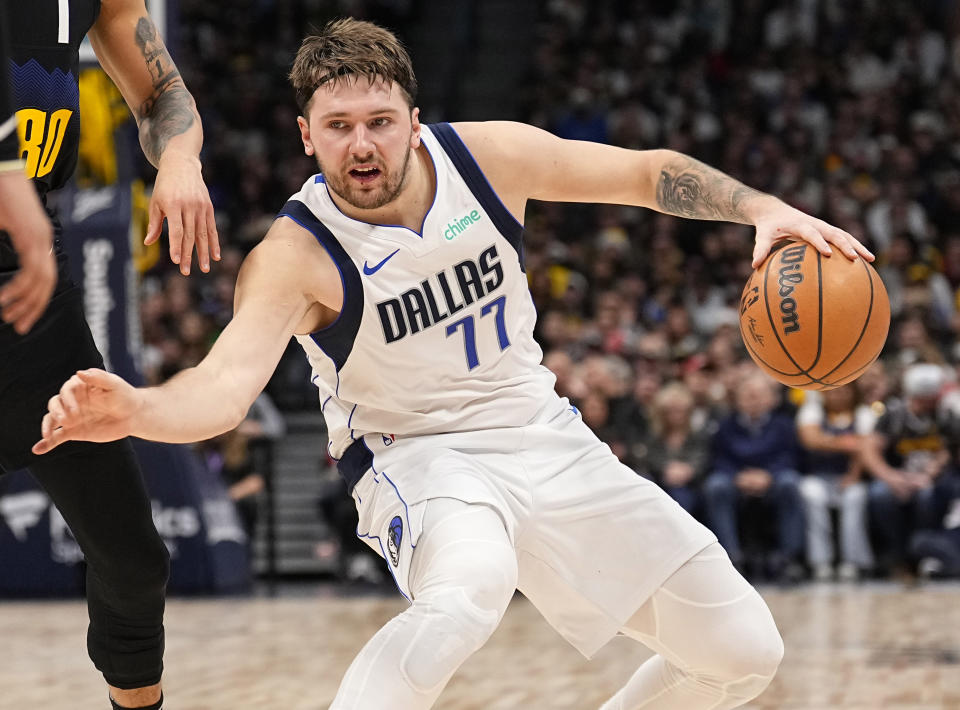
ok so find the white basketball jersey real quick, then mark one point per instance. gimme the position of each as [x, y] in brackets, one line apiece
[436, 330]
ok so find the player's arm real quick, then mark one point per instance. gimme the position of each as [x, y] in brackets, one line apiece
[214, 396]
[132, 52]
[523, 162]
[24, 298]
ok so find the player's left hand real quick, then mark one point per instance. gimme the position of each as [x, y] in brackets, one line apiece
[180, 196]
[781, 221]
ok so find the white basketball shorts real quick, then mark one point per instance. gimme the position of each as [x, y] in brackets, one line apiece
[594, 540]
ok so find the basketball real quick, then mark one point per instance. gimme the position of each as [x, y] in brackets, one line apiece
[811, 321]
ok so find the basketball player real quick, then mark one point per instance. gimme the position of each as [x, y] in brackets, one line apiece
[97, 488]
[22, 216]
[399, 268]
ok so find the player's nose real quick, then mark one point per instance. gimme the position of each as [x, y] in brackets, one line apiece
[361, 143]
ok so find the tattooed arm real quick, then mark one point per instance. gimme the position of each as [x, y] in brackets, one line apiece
[688, 188]
[523, 163]
[132, 52]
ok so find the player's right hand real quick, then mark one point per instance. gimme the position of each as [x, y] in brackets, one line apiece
[181, 197]
[93, 405]
[25, 297]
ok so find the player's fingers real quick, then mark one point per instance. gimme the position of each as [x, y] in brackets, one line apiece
[840, 239]
[203, 244]
[55, 409]
[155, 223]
[851, 245]
[811, 234]
[16, 311]
[761, 249]
[15, 289]
[81, 392]
[175, 227]
[98, 378]
[46, 426]
[52, 437]
[23, 324]
[69, 395]
[212, 233]
[189, 237]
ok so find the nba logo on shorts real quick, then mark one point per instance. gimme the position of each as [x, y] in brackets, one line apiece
[394, 537]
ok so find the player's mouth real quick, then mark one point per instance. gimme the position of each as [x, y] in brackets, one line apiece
[365, 174]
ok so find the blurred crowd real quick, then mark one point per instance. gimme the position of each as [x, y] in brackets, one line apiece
[847, 109]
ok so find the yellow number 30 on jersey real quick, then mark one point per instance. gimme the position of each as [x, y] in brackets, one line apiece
[41, 135]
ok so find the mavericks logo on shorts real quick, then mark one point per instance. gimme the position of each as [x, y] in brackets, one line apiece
[394, 536]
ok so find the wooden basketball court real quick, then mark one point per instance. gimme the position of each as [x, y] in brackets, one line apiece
[865, 647]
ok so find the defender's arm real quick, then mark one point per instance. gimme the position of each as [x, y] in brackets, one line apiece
[132, 52]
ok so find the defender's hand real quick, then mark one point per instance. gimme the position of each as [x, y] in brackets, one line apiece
[93, 405]
[180, 196]
[25, 297]
[780, 221]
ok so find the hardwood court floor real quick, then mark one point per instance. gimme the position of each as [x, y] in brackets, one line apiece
[868, 648]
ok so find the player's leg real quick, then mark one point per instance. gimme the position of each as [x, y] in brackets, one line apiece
[99, 491]
[463, 574]
[100, 494]
[716, 642]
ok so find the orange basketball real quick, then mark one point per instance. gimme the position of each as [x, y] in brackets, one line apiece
[812, 321]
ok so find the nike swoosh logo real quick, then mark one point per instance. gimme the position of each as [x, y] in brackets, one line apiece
[370, 270]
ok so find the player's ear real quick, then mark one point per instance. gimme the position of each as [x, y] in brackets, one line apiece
[415, 128]
[305, 135]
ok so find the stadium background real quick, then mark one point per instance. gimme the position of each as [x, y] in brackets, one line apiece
[848, 109]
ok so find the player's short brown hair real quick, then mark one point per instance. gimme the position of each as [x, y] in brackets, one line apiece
[351, 47]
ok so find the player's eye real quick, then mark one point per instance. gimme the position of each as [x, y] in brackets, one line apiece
[380, 122]
[337, 125]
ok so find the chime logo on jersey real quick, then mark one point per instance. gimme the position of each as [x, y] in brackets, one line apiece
[440, 296]
[394, 536]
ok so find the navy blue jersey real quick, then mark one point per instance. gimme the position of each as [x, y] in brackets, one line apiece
[43, 63]
[45, 38]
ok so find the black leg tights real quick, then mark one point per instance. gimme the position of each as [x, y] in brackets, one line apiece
[99, 491]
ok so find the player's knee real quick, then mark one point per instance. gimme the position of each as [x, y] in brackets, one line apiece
[457, 621]
[452, 628]
[142, 576]
[752, 655]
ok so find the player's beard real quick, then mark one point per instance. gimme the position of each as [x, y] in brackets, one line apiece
[391, 184]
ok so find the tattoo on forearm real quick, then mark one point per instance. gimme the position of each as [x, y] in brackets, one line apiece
[688, 188]
[169, 110]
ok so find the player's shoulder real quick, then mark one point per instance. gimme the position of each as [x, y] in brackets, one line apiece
[499, 140]
[285, 249]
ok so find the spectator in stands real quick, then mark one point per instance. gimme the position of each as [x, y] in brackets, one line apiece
[676, 454]
[908, 454]
[832, 427]
[229, 455]
[755, 457]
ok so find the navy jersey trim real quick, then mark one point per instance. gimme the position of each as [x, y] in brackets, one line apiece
[471, 173]
[355, 461]
[337, 339]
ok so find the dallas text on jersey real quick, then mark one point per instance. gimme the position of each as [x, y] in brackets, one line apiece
[419, 308]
